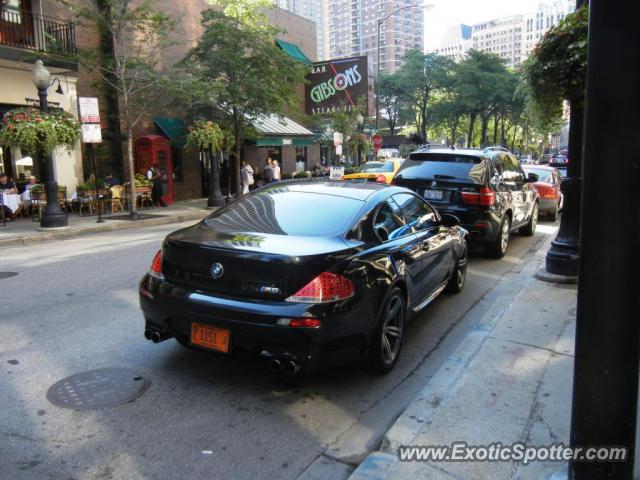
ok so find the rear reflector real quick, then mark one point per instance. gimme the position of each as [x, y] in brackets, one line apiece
[156, 266]
[381, 179]
[485, 196]
[299, 322]
[326, 287]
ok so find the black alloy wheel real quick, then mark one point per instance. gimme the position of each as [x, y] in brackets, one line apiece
[459, 275]
[498, 247]
[530, 228]
[387, 338]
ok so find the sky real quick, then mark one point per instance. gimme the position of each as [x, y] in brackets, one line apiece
[445, 13]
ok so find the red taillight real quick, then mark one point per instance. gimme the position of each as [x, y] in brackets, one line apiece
[156, 266]
[485, 197]
[326, 287]
[546, 192]
[381, 179]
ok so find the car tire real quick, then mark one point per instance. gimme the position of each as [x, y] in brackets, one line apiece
[498, 247]
[459, 275]
[530, 228]
[553, 215]
[387, 338]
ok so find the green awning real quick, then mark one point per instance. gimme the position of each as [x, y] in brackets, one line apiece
[293, 51]
[284, 141]
[174, 129]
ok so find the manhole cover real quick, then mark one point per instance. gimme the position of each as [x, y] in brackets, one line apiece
[7, 274]
[95, 389]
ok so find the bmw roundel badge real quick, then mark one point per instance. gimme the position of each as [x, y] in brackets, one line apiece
[217, 270]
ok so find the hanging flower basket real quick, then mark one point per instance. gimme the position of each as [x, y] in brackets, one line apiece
[33, 131]
[360, 142]
[205, 134]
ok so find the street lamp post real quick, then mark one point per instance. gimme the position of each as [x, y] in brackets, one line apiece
[360, 120]
[216, 199]
[53, 216]
[380, 21]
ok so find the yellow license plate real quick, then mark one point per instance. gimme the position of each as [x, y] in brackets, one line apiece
[213, 338]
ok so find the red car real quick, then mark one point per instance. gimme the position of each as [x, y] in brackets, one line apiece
[548, 187]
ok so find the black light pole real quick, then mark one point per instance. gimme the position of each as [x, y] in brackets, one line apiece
[564, 255]
[53, 216]
[216, 199]
[360, 120]
[605, 383]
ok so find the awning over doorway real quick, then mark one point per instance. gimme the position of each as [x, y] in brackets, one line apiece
[275, 131]
[174, 129]
[293, 51]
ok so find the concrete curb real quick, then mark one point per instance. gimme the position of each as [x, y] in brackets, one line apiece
[378, 464]
[105, 227]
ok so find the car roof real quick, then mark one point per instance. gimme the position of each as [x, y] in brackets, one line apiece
[477, 152]
[342, 188]
[538, 167]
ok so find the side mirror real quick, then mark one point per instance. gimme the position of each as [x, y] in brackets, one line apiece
[532, 177]
[448, 220]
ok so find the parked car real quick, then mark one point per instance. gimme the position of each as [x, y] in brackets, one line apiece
[305, 274]
[381, 171]
[387, 153]
[548, 188]
[559, 160]
[544, 159]
[488, 190]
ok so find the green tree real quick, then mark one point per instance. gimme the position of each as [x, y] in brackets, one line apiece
[237, 60]
[419, 80]
[390, 97]
[138, 36]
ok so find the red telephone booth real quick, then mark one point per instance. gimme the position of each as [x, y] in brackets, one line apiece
[155, 148]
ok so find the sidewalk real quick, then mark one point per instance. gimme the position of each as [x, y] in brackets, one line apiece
[23, 231]
[508, 381]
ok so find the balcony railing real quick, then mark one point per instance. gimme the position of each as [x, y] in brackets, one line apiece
[35, 32]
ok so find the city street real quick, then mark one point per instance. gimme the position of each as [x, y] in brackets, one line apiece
[73, 307]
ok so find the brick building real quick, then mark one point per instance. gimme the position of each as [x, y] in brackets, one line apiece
[25, 31]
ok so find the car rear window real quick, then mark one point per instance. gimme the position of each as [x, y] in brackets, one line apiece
[374, 167]
[280, 211]
[432, 165]
[543, 175]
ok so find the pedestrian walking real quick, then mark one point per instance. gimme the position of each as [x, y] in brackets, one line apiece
[267, 171]
[246, 176]
[155, 176]
[276, 171]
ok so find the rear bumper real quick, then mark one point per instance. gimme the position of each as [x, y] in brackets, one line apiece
[342, 337]
[546, 205]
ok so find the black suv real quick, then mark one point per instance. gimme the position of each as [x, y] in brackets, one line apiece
[486, 189]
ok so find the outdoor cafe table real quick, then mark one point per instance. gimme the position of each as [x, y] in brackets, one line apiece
[11, 200]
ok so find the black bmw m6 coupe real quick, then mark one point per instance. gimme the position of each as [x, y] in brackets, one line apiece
[305, 274]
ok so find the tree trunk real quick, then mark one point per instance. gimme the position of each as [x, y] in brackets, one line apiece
[454, 129]
[132, 173]
[513, 139]
[239, 140]
[472, 124]
[483, 131]
[495, 129]
[503, 133]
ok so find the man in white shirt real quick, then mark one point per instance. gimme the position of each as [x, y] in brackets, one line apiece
[155, 176]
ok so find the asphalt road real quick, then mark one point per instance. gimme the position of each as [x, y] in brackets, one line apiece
[73, 307]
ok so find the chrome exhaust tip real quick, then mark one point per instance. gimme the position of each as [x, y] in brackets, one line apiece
[276, 365]
[292, 367]
[156, 337]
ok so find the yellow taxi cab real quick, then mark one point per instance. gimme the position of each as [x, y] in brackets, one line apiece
[379, 170]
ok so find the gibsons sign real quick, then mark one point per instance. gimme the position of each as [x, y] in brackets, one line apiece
[336, 85]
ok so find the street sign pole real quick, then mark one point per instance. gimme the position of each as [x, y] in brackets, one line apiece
[92, 153]
[89, 113]
[605, 384]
